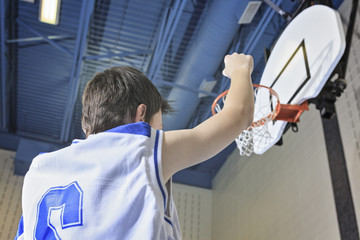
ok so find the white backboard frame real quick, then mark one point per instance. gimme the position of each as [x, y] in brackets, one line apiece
[302, 60]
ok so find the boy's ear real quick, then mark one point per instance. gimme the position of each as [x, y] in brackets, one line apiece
[140, 113]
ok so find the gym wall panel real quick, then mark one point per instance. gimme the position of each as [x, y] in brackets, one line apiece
[194, 209]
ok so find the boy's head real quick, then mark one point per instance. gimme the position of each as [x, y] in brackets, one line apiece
[115, 97]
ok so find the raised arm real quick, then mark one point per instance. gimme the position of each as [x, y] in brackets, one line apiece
[184, 148]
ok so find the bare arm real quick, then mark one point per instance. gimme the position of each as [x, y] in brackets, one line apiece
[184, 148]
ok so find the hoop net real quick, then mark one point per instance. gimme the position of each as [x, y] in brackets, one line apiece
[256, 136]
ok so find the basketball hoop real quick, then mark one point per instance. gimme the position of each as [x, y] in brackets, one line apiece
[267, 109]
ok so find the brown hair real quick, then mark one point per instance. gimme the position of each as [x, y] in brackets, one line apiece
[112, 97]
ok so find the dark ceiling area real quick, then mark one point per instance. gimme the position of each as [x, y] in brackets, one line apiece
[178, 44]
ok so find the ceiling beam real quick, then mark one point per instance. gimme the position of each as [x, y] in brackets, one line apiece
[83, 26]
[112, 54]
[34, 31]
[169, 24]
[38, 39]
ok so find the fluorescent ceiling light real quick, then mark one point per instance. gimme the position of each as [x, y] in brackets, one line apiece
[249, 12]
[49, 11]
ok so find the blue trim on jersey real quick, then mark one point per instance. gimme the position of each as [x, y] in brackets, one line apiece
[139, 128]
[157, 167]
[20, 230]
[169, 221]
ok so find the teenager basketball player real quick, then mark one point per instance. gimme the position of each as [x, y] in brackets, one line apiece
[115, 184]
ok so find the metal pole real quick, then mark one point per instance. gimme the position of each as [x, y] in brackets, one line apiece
[282, 13]
[339, 175]
[3, 121]
[340, 180]
[349, 33]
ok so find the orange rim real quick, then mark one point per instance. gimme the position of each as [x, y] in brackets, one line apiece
[223, 94]
[261, 121]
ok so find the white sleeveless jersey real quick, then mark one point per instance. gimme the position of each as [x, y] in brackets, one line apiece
[109, 186]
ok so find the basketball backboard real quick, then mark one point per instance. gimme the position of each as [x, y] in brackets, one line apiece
[302, 61]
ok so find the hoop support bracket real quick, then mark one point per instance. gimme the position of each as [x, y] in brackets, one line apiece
[292, 112]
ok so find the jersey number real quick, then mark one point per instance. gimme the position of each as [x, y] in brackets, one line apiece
[69, 200]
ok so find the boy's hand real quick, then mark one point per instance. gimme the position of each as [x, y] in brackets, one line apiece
[237, 61]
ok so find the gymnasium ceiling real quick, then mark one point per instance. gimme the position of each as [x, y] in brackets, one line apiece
[178, 44]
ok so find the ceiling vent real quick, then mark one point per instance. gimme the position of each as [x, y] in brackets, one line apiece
[249, 12]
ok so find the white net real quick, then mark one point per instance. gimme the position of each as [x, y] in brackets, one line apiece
[257, 136]
[253, 139]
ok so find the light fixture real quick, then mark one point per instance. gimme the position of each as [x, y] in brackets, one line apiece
[49, 11]
[249, 12]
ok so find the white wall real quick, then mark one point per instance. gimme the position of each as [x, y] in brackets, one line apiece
[284, 194]
[194, 209]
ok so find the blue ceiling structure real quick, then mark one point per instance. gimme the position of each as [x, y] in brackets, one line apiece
[178, 44]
